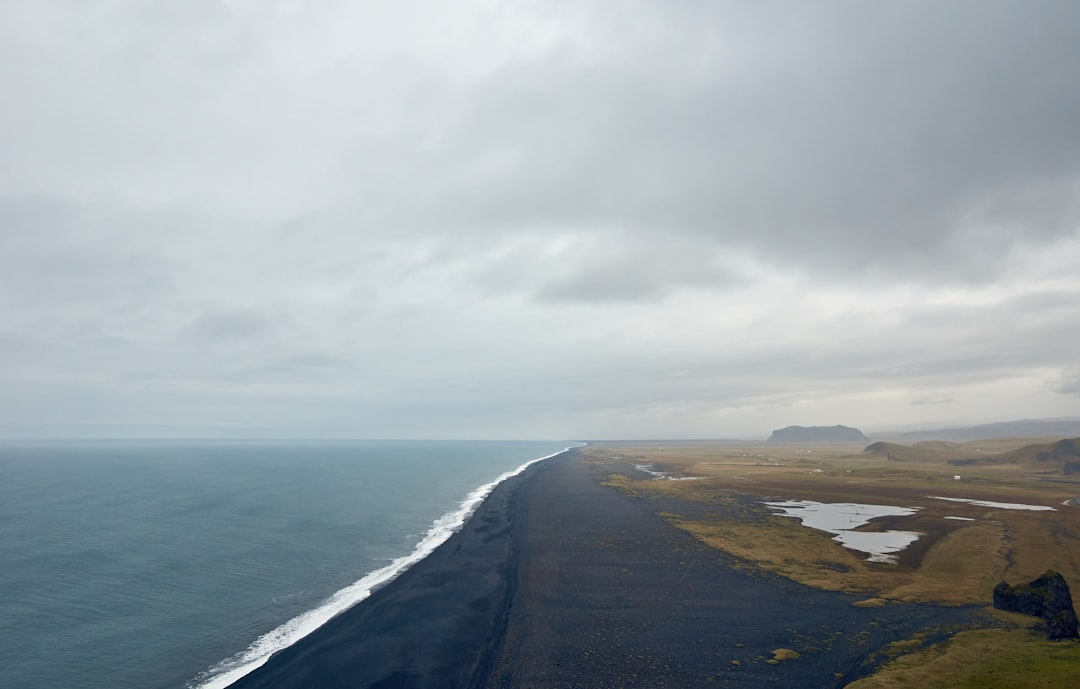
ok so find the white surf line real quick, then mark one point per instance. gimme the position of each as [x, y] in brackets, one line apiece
[1000, 505]
[223, 674]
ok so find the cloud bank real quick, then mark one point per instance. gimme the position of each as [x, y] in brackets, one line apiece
[490, 219]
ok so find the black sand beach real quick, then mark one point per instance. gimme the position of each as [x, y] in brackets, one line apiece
[559, 581]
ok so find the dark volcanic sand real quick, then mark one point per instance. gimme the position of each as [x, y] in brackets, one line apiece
[558, 581]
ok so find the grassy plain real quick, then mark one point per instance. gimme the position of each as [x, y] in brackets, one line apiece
[954, 562]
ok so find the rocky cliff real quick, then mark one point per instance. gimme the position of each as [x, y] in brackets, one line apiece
[1047, 597]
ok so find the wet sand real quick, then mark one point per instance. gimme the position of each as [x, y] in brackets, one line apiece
[559, 581]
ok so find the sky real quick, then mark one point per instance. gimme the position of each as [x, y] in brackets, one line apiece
[586, 219]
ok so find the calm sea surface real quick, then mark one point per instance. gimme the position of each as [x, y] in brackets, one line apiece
[149, 564]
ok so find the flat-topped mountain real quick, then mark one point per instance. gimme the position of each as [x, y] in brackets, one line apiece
[817, 434]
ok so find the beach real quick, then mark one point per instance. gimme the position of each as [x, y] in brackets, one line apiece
[558, 580]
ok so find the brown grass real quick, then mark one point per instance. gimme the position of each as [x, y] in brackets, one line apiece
[962, 567]
[954, 562]
[781, 545]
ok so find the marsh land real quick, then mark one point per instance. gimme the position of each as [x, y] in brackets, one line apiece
[977, 513]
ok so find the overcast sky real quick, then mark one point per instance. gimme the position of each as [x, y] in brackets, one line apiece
[325, 218]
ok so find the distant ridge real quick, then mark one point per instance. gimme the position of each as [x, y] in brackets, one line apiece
[921, 451]
[1026, 428]
[1063, 456]
[817, 434]
[1060, 457]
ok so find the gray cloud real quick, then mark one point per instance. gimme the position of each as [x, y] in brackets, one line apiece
[221, 323]
[1069, 384]
[536, 219]
[897, 140]
[933, 399]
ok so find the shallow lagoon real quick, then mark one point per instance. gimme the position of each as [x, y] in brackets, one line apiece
[999, 505]
[841, 518]
[663, 475]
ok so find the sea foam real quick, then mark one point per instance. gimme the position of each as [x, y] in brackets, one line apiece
[232, 669]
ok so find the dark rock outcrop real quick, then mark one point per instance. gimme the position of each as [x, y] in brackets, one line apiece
[1047, 597]
[895, 452]
[1061, 450]
[817, 434]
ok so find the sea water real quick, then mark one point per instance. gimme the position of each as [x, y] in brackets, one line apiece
[174, 564]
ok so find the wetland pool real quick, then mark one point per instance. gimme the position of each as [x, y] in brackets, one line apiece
[843, 518]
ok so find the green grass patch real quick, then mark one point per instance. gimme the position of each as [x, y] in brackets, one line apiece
[986, 658]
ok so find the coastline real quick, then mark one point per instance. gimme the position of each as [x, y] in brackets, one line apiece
[559, 581]
[422, 625]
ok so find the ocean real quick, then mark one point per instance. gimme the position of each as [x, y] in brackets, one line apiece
[181, 564]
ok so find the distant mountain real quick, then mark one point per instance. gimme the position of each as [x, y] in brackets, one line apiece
[817, 434]
[1062, 456]
[1027, 428]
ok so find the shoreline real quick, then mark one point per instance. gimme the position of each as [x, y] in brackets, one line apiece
[231, 670]
[559, 581]
[386, 641]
